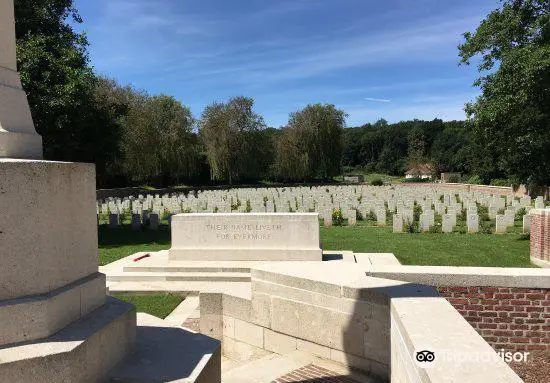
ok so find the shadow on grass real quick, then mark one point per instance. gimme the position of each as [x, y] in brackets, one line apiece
[124, 236]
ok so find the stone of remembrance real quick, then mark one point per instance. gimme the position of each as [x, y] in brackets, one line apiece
[246, 236]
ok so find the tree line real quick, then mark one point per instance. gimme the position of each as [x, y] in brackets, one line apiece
[137, 138]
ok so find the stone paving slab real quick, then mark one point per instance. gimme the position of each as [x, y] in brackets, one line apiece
[183, 311]
[240, 289]
[168, 353]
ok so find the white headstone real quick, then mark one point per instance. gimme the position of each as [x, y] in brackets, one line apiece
[424, 222]
[527, 223]
[352, 217]
[500, 224]
[397, 223]
[447, 223]
[472, 221]
[381, 217]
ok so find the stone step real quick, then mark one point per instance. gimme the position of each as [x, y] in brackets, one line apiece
[84, 351]
[185, 310]
[178, 276]
[239, 289]
[271, 367]
[187, 269]
[262, 370]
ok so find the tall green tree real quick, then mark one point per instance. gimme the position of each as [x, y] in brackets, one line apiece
[60, 84]
[313, 137]
[416, 146]
[158, 143]
[232, 136]
[512, 116]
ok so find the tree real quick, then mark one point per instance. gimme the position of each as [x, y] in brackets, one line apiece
[232, 136]
[60, 85]
[313, 137]
[512, 116]
[291, 161]
[158, 144]
[452, 149]
[416, 146]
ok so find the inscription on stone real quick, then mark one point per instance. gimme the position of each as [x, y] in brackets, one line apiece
[243, 231]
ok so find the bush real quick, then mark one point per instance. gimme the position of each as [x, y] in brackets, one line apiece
[411, 227]
[475, 180]
[417, 210]
[417, 179]
[486, 227]
[166, 215]
[377, 182]
[461, 216]
[370, 216]
[436, 228]
[519, 214]
[483, 213]
[337, 218]
[500, 182]
[454, 179]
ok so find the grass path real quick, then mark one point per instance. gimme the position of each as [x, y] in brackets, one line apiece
[156, 305]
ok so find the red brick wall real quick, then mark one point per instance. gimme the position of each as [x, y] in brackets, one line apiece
[540, 236]
[499, 190]
[507, 318]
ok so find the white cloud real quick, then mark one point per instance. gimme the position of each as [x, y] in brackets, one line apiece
[377, 99]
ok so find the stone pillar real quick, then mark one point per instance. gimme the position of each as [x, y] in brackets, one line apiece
[18, 138]
[540, 234]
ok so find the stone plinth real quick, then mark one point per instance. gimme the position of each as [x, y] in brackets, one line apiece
[540, 234]
[57, 323]
[246, 236]
[48, 229]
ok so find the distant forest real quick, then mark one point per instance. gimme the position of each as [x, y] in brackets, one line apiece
[392, 148]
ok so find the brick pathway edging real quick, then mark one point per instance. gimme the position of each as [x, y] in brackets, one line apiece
[313, 374]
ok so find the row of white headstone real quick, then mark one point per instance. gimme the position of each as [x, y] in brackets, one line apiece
[351, 200]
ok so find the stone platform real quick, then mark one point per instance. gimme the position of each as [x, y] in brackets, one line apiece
[158, 274]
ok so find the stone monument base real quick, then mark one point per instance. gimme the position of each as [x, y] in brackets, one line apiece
[84, 351]
[56, 322]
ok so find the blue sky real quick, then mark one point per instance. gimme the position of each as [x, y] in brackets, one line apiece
[393, 59]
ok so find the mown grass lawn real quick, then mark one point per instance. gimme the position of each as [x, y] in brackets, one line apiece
[156, 305]
[121, 242]
[505, 250]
